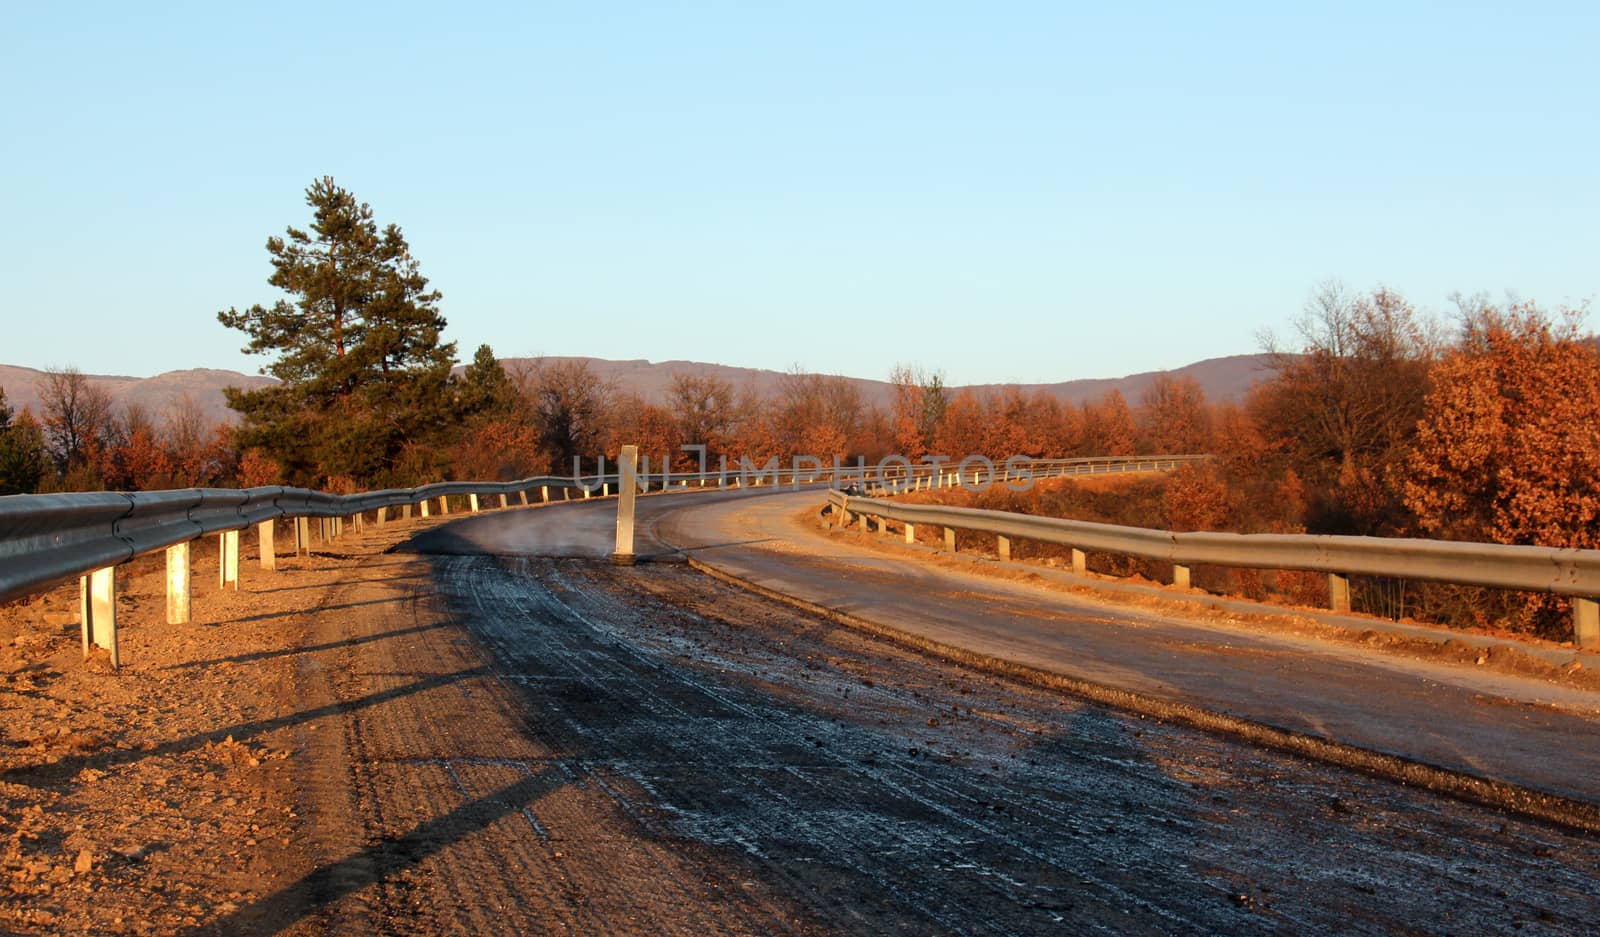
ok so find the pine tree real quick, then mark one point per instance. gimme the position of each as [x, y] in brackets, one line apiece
[358, 349]
[23, 462]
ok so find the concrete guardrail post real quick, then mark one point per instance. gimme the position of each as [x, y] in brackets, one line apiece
[1002, 546]
[1338, 592]
[424, 505]
[266, 534]
[505, 501]
[1585, 623]
[1180, 577]
[179, 587]
[302, 536]
[1080, 562]
[627, 492]
[950, 539]
[97, 609]
[228, 559]
[911, 533]
[405, 511]
[472, 502]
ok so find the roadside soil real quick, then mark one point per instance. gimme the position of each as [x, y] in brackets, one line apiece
[165, 795]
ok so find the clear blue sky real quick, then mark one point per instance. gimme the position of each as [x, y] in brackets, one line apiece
[1006, 192]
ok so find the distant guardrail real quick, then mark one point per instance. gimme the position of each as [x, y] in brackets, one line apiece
[1567, 572]
[46, 539]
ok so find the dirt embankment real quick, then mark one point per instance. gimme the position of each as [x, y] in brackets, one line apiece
[161, 796]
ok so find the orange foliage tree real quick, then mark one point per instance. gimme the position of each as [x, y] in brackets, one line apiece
[1509, 448]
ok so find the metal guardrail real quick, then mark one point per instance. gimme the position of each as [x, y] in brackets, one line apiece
[1568, 572]
[45, 539]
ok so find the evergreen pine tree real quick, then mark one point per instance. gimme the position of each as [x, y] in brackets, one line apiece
[358, 348]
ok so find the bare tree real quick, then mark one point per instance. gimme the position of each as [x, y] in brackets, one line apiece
[568, 402]
[77, 415]
[706, 408]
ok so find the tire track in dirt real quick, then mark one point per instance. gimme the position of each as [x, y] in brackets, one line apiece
[862, 781]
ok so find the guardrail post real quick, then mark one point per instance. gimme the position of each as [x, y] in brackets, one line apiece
[444, 505]
[1585, 623]
[911, 533]
[302, 536]
[1338, 592]
[405, 511]
[544, 493]
[627, 492]
[228, 559]
[1180, 576]
[505, 501]
[472, 501]
[865, 524]
[523, 496]
[382, 516]
[950, 539]
[179, 588]
[425, 507]
[1002, 546]
[97, 607]
[266, 533]
[1080, 562]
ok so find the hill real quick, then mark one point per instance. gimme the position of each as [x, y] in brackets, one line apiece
[1222, 378]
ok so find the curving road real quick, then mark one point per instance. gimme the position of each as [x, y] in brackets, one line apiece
[1500, 726]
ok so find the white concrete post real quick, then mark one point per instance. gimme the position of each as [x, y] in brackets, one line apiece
[1180, 577]
[505, 501]
[523, 495]
[1338, 592]
[472, 501]
[544, 493]
[627, 492]
[605, 489]
[911, 534]
[266, 533]
[97, 607]
[1002, 546]
[228, 559]
[302, 536]
[179, 586]
[405, 511]
[444, 505]
[1586, 623]
[1080, 562]
[383, 515]
[950, 539]
[424, 507]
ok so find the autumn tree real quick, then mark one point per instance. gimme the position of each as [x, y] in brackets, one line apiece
[568, 404]
[918, 412]
[1108, 428]
[708, 412]
[357, 347]
[77, 419]
[1508, 450]
[1343, 410]
[811, 414]
[1173, 417]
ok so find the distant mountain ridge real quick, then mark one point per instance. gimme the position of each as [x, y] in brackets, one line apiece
[1223, 379]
